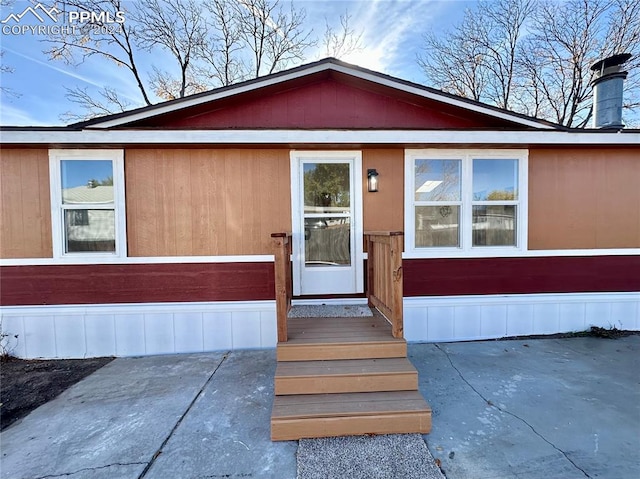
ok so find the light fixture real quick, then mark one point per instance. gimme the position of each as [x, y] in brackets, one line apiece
[372, 180]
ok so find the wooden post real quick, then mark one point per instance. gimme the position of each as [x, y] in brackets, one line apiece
[397, 324]
[282, 280]
[370, 270]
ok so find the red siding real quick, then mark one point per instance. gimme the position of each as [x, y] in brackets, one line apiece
[444, 277]
[324, 104]
[136, 283]
[149, 283]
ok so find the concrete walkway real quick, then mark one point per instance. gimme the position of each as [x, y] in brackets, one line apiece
[502, 409]
[549, 408]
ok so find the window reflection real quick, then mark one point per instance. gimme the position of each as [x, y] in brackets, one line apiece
[89, 230]
[437, 226]
[86, 181]
[438, 180]
[494, 225]
[89, 184]
[495, 180]
[327, 241]
[326, 188]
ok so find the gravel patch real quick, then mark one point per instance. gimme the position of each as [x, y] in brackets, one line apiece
[358, 457]
[329, 311]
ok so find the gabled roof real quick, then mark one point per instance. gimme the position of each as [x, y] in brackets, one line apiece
[282, 81]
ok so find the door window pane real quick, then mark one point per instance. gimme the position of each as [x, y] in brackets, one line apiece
[89, 230]
[437, 226]
[495, 180]
[438, 180]
[327, 241]
[326, 188]
[86, 181]
[494, 225]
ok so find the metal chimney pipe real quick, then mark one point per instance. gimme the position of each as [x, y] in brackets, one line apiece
[608, 90]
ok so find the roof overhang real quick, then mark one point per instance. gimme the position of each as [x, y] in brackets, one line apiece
[115, 138]
[327, 65]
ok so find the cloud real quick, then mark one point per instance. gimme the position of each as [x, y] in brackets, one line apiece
[391, 29]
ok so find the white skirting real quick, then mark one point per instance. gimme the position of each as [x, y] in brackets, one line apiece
[86, 331]
[82, 331]
[464, 318]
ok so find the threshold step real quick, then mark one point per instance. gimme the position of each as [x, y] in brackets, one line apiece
[300, 350]
[327, 415]
[344, 376]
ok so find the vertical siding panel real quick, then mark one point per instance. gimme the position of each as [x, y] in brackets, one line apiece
[165, 199]
[141, 192]
[219, 197]
[267, 199]
[250, 200]
[200, 206]
[234, 170]
[25, 224]
[206, 202]
[274, 199]
[12, 206]
[131, 180]
[384, 210]
[584, 198]
[43, 217]
[183, 202]
[618, 218]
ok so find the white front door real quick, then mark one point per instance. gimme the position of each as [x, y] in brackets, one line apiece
[326, 196]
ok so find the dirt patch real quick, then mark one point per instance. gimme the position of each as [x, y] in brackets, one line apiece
[27, 384]
[594, 332]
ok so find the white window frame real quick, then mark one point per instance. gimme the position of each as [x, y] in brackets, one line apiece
[56, 156]
[466, 249]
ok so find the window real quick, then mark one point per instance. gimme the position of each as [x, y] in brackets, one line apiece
[87, 202]
[465, 202]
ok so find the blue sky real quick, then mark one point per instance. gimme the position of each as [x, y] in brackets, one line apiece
[79, 172]
[392, 36]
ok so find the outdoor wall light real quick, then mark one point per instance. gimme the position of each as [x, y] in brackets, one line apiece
[372, 180]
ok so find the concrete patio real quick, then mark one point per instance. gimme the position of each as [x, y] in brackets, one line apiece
[561, 408]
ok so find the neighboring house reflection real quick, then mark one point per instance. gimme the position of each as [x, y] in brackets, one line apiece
[91, 228]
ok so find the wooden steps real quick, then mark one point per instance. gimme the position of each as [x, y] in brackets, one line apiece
[325, 415]
[345, 376]
[354, 375]
[317, 339]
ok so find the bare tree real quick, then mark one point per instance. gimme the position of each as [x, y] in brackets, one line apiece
[201, 45]
[565, 43]
[113, 44]
[455, 62]
[344, 41]
[221, 53]
[178, 27]
[274, 37]
[478, 58]
[534, 57]
[623, 35]
[499, 36]
[108, 102]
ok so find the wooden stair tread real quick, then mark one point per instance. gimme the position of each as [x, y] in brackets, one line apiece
[338, 327]
[341, 339]
[348, 405]
[344, 367]
[314, 351]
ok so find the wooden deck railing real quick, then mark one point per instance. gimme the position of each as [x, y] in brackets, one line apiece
[384, 276]
[284, 286]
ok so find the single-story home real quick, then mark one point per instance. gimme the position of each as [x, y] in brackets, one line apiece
[149, 231]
